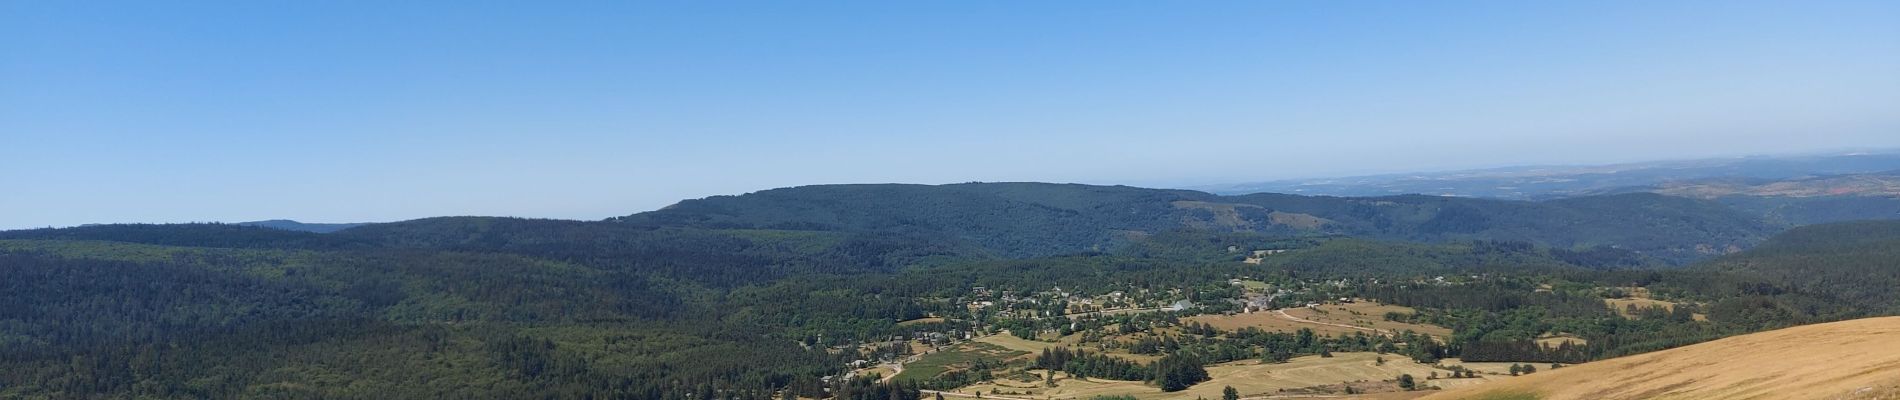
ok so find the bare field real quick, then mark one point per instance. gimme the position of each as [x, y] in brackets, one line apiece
[1554, 341]
[1366, 314]
[1362, 315]
[1622, 305]
[1494, 368]
[1848, 359]
[881, 370]
[1267, 321]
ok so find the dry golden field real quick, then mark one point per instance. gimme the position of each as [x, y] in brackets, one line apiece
[1363, 316]
[1252, 378]
[1858, 359]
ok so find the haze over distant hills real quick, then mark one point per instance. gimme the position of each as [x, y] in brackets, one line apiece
[1545, 182]
[290, 225]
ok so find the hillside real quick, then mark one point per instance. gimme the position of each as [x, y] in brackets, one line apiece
[1840, 360]
[1037, 219]
[1849, 262]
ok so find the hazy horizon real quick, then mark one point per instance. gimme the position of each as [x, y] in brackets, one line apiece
[132, 112]
[1162, 185]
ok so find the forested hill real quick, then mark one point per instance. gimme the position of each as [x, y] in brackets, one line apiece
[1856, 264]
[1035, 219]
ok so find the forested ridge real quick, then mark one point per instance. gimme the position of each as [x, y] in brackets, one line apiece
[1039, 219]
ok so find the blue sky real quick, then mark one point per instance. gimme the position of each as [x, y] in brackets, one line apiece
[378, 111]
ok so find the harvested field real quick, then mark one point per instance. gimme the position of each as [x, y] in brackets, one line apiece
[1364, 317]
[1554, 341]
[1251, 378]
[1622, 305]
[1366, 314]
[1491, 367]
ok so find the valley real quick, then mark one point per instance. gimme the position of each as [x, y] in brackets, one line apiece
[823, 292]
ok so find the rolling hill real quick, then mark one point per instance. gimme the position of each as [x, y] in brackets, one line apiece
[1840, 360]
[1851, 263]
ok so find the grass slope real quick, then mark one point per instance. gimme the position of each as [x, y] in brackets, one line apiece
[1832, 360]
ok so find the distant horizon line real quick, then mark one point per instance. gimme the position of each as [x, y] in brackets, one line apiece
[1206, 188]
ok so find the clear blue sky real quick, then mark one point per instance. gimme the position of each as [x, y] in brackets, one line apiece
[388, 110]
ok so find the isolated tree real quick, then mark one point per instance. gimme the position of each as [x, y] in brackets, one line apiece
[1516, 369]
[1407, 382]
[1529, 368]
[1228, 393]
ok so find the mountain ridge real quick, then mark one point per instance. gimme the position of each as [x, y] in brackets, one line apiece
[1033, 219]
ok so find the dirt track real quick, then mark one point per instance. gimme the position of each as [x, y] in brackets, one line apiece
[1282, 314]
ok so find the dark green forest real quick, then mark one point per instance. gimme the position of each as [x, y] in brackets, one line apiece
[1041, 219]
